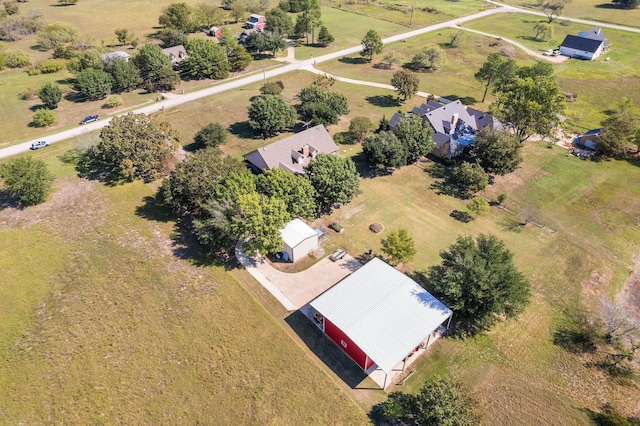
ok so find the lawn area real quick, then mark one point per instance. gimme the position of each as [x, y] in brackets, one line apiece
[455, 78]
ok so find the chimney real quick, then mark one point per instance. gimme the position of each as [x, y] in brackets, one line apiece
[454, 121]
[598, 31]
[305, 151]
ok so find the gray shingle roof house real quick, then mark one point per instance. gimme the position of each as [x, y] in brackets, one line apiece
[454, 125]
[293, 153]
[175, 53]
[586, 45]
[117, 55]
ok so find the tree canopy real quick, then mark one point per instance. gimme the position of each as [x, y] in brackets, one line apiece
[495, 69]
[278, 22]
[619, 130]
[125, 76]
[211, 135]
[417, 135]
[93, 84]
[181, 16]
[335, 180]
[50, 94]
[324, 37]
[385, 151]
[321, 106]
[26, 179]
[295, 190]
[399, 246]
[265, 41]
[136, 146]
[498, 152]
[479, 282]
[360, 127]
[371, 45]
[471, 177]
[271, 114]
[552, 8]
[205, 59]
[405, 82]
[154, 65]
[428, 59]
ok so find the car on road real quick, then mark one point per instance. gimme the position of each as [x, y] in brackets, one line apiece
[89, 119]
[548, 52]
[39, 144]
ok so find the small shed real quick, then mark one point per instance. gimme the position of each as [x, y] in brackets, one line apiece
[590, 139]
[118, 55]
[299, 239]
[215, 31]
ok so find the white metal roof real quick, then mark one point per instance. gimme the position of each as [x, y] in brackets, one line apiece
[383, 311]
[296, 232]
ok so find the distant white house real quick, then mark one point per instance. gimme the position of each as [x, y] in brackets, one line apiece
[586, 45]
[118, 55]
[299, 239]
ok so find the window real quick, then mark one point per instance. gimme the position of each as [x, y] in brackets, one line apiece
[343, 343]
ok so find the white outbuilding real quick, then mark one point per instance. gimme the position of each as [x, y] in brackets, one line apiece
[299, 239]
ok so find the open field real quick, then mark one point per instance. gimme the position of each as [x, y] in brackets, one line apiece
[599, 84]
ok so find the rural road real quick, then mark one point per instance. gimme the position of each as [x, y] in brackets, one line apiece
[257, 77]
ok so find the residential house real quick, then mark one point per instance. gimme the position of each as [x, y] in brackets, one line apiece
[590, 139]
[256, 22]
[299, 240]
[175, 53]
[454, 125]
[586, 45]
[379, 317]
[292, 154]
[118, 55]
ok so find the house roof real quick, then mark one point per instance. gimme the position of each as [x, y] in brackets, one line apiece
[296, 232]
[594, 33]
[175, 52]
[255, 16]
[383, 311]
[118, 54]
[581, 43]
[281, 153]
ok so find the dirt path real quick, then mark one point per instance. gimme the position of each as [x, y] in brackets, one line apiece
[629, 297]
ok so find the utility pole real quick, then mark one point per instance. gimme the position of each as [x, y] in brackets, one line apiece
[264, 75]
[411, 16]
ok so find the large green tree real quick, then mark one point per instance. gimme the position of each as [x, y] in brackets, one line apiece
[259, 42]
[325, 38]
[238, 57]
[471, 177]
[430, 58]
[619, 130]
[50, 94]
[417, 135]
[320, 105]
[55, 35]
[26, 179]
[385, 151]
[125, 76]
[154, 65]
[371, 45]
[136, 146]
[211, 135]
[498, 152]
[441, 401]
[295, 190]
[93, 84]
[399, 246]
[279, 22]
[335, 180]
[406, 83]
[271, 114]
[493, 70]
[205, 59]
[479, 282]
[627, 4]
[360, 127]
[552, 8]
[181, 16]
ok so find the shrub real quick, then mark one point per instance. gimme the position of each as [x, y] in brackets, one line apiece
[272, 88]
[26, 179]
[114, 101]
[63, 52]
[502, 198]
[52, 65]
[17, 59]
[27, 94]
[44, 118]
[50, 94]
[211, 135]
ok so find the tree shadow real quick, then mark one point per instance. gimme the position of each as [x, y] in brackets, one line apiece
[383, 101]
[449, 187]
[353, 61]
[7, 201]
[153, 209]
[363, 167]
[66, 81]
[185, 245]
[466, 100]
[575, 333]
[326, 350]
[511, 224]
[242, 129]
[532, 38]
[74, 97]
[88, 166]
[609, 6]
[461, 216]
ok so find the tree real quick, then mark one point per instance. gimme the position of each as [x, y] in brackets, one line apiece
[44, 118]
[389, 59]
[227, 39]
[194, 180]
[406, 83]
[479, 282]
[180, 16]
[264, 41]
[238, 57]
[430, 58]
[360, 127]
[211, 135]
[125, 76]
[67, 2]
[213, 226]
[296, 191]
[89, 59]
[417, 135]
[238, 12]
[26, 179]
[257, 219]
[627, 4]
[153, 64]
[529, 105]
[385, 151]
[278, 22]
[371, 45]
[212, 15]
[498, 152]
[552, 8]
[321, 106]
[123, 35]
[55, 35]
[270, 114]
[441, 401]
[335, 180]
[171, 37]
[478, 206]
[619, 130]
[233, 186]
[399, 246]
[471, 177]
[543, 30]
[165, 79]
[93, 84]
[50, 94]
[205, 59]
[136, 146]
[494, 69]
[324, 37]
[272, 88]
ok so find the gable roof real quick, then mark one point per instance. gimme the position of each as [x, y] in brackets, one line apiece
[384, 312]
[594, 34]
[295, 232]
[287, 153]
[118, 54]
[581, 43]
[176, 53]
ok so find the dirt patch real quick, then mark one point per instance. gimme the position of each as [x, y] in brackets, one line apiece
[629, 297]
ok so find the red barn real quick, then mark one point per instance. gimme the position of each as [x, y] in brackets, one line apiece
[379, 316]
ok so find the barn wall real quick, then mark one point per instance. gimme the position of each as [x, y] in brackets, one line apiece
[304, 248]
[341, 339]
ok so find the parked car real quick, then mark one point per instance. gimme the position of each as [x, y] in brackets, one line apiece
[548, 52]
[89, 119]
[338, 254]
[39, 144]
[556, 53]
